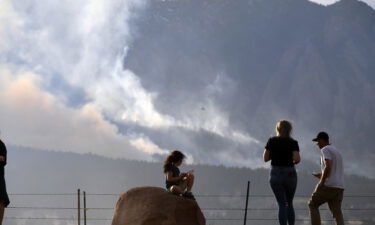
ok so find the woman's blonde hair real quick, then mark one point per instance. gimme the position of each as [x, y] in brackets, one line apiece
[283, 128]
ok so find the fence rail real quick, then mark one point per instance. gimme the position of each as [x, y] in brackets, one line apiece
[77, 216]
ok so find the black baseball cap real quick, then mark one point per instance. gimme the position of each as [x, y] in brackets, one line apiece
[321, 135]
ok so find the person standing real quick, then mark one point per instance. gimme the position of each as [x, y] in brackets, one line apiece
[283, 151]
[4, 199]
[330, 188]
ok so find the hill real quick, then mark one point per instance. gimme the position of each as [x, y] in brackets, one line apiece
[31, 171]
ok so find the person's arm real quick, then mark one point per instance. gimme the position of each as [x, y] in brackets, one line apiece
[296, 157]
[170, 177]
[326, 171]
[266, 155]
[2, 152]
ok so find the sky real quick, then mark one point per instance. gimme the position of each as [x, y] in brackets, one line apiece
[63, 86]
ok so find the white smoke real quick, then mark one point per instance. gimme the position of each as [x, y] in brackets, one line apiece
[83, 43]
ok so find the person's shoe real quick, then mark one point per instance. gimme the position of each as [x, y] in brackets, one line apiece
[188, 195]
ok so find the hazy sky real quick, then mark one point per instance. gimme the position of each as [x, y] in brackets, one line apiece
[63, 87]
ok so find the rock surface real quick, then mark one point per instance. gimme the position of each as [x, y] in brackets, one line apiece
[156, 206]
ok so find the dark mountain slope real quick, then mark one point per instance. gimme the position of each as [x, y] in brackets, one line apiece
[261, 61]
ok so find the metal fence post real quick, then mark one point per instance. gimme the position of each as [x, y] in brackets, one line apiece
[84, 208]
[247, 202]
[79, 206]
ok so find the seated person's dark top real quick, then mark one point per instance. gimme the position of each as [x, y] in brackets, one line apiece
[281, 149]
[175, 173]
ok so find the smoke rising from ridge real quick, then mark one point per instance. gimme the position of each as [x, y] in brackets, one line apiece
[135, 79]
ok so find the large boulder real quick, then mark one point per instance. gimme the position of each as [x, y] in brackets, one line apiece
[156, 206]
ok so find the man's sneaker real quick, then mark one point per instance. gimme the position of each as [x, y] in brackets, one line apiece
[189, 195]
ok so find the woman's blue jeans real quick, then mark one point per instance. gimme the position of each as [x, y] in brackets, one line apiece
[283, 182]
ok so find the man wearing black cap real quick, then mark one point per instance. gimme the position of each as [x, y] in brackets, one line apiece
[330, 188]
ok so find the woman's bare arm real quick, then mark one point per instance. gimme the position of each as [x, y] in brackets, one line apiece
[170, 177]
[266, 155]
[296, 157]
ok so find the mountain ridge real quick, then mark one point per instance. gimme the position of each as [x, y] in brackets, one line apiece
[261, 61]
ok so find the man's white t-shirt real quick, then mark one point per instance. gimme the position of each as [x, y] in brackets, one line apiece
[336, 176]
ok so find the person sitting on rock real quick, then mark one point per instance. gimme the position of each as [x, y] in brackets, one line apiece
[176, 182]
